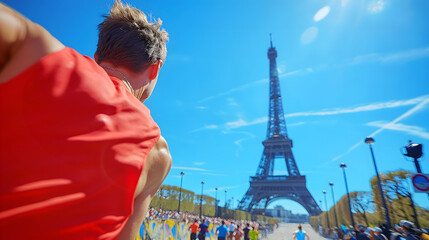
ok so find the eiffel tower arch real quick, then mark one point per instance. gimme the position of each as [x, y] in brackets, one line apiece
[266, 187]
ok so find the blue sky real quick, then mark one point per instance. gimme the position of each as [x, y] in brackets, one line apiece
[347, 69]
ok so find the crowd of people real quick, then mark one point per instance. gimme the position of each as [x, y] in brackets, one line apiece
[405, 230]
[228, 229]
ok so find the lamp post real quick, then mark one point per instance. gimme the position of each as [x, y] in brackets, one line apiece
[216, 204]
[180, 191]
[225, 199]
[333, 201]
[321, 206]
[201, 200]
[343, 166]
[326, 206]
[370, 141]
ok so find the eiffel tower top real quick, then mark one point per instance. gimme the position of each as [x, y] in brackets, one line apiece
[276, 118]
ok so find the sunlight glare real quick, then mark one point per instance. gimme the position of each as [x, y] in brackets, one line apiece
[309, 35]
[322, 13]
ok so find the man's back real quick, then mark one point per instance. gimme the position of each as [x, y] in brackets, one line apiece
[223, 230]
[300, 235]
[194, 227]
[246, 232]
[75, 152]
[76, 147]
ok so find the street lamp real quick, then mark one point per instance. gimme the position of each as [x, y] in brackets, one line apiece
[414, 150]
[180, 191]
[326, 206]
[216, 204]
[333, 201]
[201, 200]
[225, 199]
[370, 141]
[343, 166]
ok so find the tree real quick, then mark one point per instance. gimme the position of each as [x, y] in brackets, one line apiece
[362, 204]
[399, 198]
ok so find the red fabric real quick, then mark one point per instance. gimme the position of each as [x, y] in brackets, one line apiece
[73, 142]
[194, 227]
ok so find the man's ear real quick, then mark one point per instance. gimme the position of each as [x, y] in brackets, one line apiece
[154, 70]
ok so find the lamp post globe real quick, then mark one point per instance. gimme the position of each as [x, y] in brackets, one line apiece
[369, 140]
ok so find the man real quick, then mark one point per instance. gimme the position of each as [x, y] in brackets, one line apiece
[253, 233]
[300, 234]
[238, 233]
[246, 231]
[231, 228]
[222, 231]
[203, 229]
[80, 155]
[194, 229]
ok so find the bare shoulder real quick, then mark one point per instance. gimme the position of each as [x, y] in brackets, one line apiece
[158, 164]
[22, 43]
[159, 158]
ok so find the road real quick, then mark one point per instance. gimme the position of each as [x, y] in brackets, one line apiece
[285, 230]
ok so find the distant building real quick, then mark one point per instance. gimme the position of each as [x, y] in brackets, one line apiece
[284, 215]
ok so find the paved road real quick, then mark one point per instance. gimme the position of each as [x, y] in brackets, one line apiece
[285, 230]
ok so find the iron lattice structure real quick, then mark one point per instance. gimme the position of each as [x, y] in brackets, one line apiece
[266, 187]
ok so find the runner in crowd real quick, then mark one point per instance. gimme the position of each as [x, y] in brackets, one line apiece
[203, 230]
[231, 228]
[222, 231]
[194, 229]
[300, 234]
[246, 231]
[238, 233]
[253, 233]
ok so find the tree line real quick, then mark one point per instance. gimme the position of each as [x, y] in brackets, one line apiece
[167, 198]
[367, 205]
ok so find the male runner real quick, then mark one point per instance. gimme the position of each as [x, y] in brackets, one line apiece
[300, 234]
[194, 229]
[80, 155]
[222, 231]
[246, 231]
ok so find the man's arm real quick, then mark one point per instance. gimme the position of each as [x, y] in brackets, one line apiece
[158, 164]
[22, 43]
[308, 237]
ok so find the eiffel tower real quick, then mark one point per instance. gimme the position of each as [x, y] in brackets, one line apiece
[266, 187]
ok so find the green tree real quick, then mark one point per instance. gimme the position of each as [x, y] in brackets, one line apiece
[399, 198]
[362, 204]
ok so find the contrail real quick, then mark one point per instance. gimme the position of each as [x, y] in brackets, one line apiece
[406, 114]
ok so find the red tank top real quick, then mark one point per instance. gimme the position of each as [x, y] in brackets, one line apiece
[73, 142]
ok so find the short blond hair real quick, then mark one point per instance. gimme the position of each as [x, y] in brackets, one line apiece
[127, 39]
